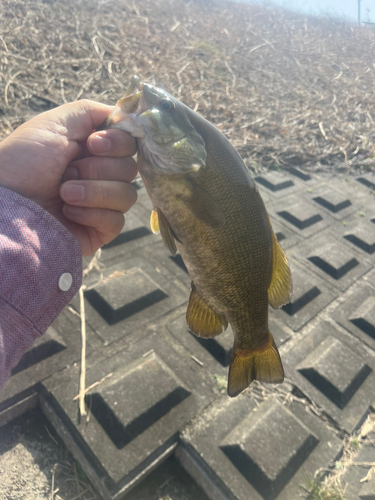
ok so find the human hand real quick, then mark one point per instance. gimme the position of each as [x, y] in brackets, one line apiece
[81, 178]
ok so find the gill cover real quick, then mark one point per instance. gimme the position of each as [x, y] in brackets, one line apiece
[171, 144]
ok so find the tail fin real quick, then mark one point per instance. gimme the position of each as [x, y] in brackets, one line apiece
[263, 364]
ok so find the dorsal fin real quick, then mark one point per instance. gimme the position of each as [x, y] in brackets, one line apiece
[201, 319]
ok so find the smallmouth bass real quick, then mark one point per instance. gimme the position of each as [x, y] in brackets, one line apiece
[208, 208]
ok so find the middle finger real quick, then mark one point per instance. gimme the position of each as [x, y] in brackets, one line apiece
[112, 142]
[112, 195]
[102, 169]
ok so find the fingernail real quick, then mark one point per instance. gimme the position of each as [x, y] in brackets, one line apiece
[73, 192]
[99, 144]
[73, 212]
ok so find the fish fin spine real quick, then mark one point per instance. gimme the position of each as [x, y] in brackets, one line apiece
[166, 232]
[263, 364]
[281, 287]
[201, 319]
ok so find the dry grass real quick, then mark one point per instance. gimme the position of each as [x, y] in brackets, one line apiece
[319, 491]
[287, 89]
[327, 484]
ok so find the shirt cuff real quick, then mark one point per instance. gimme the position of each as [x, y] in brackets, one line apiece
[36, 250]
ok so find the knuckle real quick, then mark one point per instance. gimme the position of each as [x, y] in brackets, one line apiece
[110, 222]
[104, 193]
[91, 170]
[116, 225]
[102, 217]
[85, 103]
[132, 167]
[120, 223]
[123, 142]
[131, 195]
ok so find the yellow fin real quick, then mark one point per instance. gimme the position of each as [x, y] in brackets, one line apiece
[281, 286]
[201, 319]
[154, 222]
[166, 232]
[262, 364]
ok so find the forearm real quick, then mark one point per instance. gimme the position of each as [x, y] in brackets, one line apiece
[35, 252]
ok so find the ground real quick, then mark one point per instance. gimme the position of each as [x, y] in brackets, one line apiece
[33, 460]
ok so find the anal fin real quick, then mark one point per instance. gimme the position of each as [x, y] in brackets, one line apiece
[201, 319]
[281, 287]
[263, 364]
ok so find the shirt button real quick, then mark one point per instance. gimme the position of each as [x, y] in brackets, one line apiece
[65, 282]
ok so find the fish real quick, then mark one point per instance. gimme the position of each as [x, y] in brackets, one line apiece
[207, 207]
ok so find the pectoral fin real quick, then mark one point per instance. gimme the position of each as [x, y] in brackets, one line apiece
[201, 319]
[200, 203]
[158, 221]
[154, 222]
[281, 286]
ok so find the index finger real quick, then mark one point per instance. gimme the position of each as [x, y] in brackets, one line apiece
[111, 142]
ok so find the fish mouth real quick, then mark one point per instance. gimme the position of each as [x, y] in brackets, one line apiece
[135, 86]
[139, 97]
[149, 98]
[136, 101]
[126, 108]
[134, 110]
[132, 97]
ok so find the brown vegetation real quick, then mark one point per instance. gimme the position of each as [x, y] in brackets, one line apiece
[286, 89]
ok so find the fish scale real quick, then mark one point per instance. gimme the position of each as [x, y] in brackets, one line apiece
[208, 207]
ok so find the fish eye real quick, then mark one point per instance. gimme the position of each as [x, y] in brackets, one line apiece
[166, 105]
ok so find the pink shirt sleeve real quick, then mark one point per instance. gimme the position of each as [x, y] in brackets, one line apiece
[35, 251]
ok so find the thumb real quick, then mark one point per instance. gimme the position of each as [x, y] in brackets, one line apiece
[78, 119]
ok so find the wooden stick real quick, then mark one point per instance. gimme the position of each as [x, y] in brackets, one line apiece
[82, 380]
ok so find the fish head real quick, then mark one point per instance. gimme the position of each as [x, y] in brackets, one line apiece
[165, 136]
